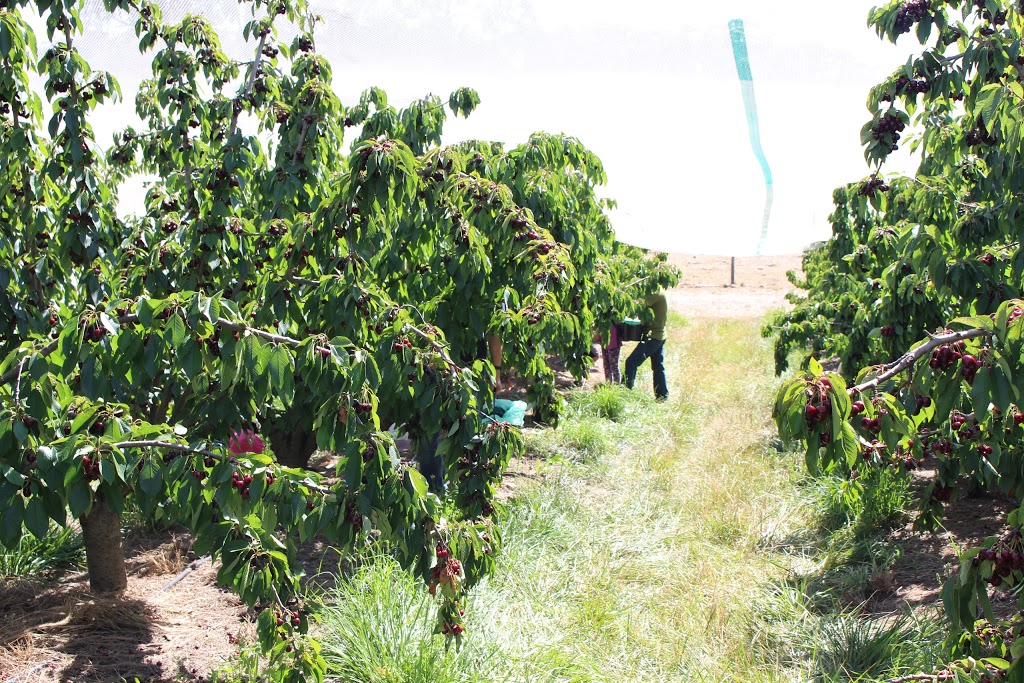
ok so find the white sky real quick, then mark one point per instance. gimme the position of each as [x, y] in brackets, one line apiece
[650, 86]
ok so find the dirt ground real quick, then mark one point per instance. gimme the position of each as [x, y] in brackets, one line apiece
[929, 557]
[155, 632]
[705, 290]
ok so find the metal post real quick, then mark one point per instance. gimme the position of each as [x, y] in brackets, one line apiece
[732, 278]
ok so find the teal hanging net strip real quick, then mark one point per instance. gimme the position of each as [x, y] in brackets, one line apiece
[739, 50]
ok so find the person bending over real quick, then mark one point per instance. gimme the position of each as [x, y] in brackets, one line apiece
[652, 347]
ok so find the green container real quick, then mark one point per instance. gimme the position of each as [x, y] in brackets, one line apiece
[633, 330]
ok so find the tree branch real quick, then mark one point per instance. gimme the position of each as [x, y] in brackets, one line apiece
[182, 448]
[911, 357]
[235, 111]
[222, 323]
[934, 678]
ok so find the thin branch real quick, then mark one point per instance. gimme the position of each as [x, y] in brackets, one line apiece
[634, 283]
[911, 357]
[17, 386]
[9, 376]
[446, 358]
[182, 448]
[236, 110]
[295, 279]
[222, 323]
[171, 446]
[302, 137]
[436, 344]
[188, 164]
[944, 676]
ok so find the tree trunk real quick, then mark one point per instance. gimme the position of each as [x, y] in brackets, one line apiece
[104, 555]
[293, 448]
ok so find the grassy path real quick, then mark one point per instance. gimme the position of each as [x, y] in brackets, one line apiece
[659, 540]
[638, 558]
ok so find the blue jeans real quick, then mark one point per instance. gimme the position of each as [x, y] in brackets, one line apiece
[655, 350]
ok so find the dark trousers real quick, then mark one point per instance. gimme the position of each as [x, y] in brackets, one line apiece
[655, 350]
[431, 465]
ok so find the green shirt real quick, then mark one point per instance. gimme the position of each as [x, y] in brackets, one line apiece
[657, 303]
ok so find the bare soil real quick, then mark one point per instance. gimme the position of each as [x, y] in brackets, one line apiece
[158, 634]
[706, 289]
[930, 557]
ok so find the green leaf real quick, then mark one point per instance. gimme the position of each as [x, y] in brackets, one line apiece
[989, 99]
[981, 393]
[80, 498]
[279, 369]
[15, 477]
[250, 353]
[176, 331]
[36, 519]
[151, 478]
[416, 483]
[12, 516]
[811, 457]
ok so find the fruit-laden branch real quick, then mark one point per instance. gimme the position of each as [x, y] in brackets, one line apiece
[911, 357]
[134, 318]
[443, 352]
[182, 448]
[436, 344]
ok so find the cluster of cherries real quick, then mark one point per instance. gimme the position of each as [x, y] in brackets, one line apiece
[362, 407]
[909, 462]
[980, 136]
[891, 125]
[819, 409]
[871, 424]
[397, 348]
[241, 483]
[971, 365]
[888, 331]
[942, 447]
[997, 19]
[91, 467]
[95, 333]
[1007, 558]
[946, 356]
[957, 423]
[352, 515]
[874, 183]
[911, 86]
[288, 615]
[942, 493]
[444, 571]
[529, 235]
[920, 403]
[909, 14]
